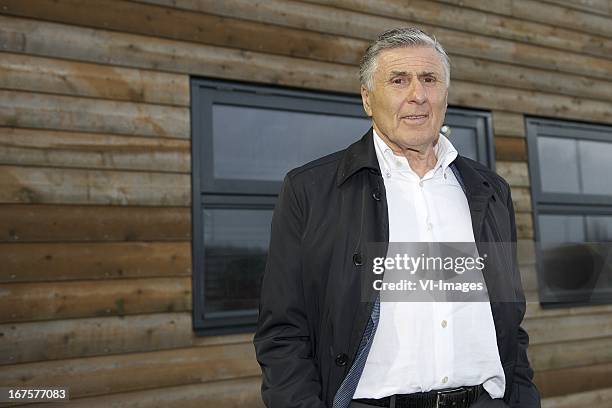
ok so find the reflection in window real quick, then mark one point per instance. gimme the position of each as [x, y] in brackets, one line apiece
[264, 144]
[465, 141]
[595, 166]
[234, 257]
[558, 165]
[561, 228]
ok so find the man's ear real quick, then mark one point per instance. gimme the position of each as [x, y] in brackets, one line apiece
[365, 99]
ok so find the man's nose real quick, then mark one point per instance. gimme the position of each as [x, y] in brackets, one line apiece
[417, 92]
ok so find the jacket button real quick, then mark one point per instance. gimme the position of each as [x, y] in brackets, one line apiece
[376, 195]
[357, 260]
[341, 360]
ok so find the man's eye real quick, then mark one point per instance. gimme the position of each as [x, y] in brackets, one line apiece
[398, 81]
[430, 80]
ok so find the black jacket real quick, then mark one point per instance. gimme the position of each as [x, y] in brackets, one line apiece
[311, 317]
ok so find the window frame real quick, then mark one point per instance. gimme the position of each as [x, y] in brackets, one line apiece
[223, 194]
[545, 203]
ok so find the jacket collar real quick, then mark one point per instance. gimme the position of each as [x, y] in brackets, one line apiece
[362, 155]
[357, 156]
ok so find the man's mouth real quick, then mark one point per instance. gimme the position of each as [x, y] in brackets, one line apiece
[415, 118]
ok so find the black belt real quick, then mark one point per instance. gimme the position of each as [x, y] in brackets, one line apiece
[460, 397]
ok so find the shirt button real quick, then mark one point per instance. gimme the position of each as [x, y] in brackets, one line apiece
[421, 183]
[388, 174]
[445, 380]
[444, 323]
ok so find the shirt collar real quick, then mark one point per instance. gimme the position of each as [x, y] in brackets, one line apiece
[388, 161]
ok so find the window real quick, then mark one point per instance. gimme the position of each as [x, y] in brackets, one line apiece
[572, 200]
[244, 140]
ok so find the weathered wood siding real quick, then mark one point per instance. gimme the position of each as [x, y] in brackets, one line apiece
[95, 287]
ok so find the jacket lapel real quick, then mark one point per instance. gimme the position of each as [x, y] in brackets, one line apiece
[477, 190]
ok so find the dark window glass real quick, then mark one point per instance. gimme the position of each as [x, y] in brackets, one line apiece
[558, 165]
[245, 139]
[234, 257]
[465, 141]
[599, 228]
[561, 228]
[264, 144]
[572, 196]
[596, 166]
[471, 134]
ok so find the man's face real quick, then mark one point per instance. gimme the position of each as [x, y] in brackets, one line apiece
[408, 99]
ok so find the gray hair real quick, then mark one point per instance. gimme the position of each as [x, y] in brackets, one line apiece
[398, 38]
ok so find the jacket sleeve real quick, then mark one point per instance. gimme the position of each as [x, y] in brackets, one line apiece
[290, 378]
[525, 394]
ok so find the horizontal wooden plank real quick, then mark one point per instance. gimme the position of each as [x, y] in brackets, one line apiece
[38, 147]
[467, 64]
[96, 45]
[510, 149]
[524, 226]
[173, 23]
[115, 297]
[273, 11]
[526, 252]
[592, 6]
[552, 356]
[515, 173]
[596, 398]
[535, 311]
[562, 16]
[521, 199]
[508, 124]
[542, 12]
[34, 110]
[495, 97]
[431, 14]
[96, 336]
[529, 277]
[59, 339]
[72, 186]
[471, 68]
[33, 262]
[128, 372]
[478, 23]
[47, 39]
[69, 223]
[493, 6]
[565, 328]
[564, 381]
[49, 75]
[240, 393]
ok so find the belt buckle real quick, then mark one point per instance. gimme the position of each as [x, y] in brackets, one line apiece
[438, 393]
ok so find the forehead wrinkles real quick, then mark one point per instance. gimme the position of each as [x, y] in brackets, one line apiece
[409, 63]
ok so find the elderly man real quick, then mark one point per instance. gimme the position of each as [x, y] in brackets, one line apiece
[319, 341]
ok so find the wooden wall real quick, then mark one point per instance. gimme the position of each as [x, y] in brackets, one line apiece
[95, 250]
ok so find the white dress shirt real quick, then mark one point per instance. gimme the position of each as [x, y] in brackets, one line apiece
[424, 346]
